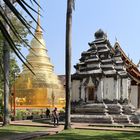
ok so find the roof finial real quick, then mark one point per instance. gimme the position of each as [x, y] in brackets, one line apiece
[116, 39]
[138, 65]
[128, 55]
[38, 27]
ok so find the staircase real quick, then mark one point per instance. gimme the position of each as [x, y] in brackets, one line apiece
[105, 114]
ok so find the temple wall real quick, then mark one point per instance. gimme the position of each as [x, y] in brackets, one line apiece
[134, 96]
[83, 92]
[125, 85]
[119, 87]
[75, 90]
[100, 91]
[116, 91]
[109, 89]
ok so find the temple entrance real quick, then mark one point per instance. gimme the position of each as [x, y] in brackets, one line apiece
[91, 92]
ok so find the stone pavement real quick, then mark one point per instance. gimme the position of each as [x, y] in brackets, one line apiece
[50, 129]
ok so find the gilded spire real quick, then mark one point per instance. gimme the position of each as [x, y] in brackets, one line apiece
[38, 27]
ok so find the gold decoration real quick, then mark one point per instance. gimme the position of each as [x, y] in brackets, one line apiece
[35, 91]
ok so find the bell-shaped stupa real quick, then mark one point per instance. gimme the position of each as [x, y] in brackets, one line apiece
[44, 89]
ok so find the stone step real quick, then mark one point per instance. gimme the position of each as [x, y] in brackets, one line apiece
[114, 109]
[121, 119]
[134, 119]
[105, 113]
[91, 119]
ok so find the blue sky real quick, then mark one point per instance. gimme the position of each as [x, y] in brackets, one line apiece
[118, 18]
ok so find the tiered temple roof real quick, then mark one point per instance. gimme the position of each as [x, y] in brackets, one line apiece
[131, 68]
[104, 59]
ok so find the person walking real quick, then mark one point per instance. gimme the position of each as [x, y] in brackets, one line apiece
[55, 116]
[47, 113]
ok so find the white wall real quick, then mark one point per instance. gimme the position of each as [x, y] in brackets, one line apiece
[119, 88]
[108, 89]
[116, 90]
[134, 96]
[75, 90]
[100, 90]
[125, 84]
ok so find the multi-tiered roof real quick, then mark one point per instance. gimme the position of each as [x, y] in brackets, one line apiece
[101, 58]
[131, 68]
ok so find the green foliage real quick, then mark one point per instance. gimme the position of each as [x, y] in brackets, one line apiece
[21, 114]
[21, 30]
[14, 69]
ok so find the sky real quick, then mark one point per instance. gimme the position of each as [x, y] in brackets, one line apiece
[120, 19]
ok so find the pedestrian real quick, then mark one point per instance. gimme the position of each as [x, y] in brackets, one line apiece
[55, 116]
[47, 113]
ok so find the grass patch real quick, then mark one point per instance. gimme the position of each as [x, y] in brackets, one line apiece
[17, 130]
[75, 134]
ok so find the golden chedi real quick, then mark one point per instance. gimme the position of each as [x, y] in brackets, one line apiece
[43, 89]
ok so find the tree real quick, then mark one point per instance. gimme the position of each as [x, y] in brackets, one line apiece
[7, 21]
[13, 64]
[8, 42]
[70, 4]
[6, 66]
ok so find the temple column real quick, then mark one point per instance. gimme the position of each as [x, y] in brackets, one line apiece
[121, 88]
[116, 88]
[85, 98]
[80, 88]
[102, 89]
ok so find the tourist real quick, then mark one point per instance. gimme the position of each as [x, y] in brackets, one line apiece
[55, 116]
[47, 113]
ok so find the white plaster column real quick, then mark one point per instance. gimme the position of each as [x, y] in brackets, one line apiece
[119, 87]
[125, 88]
[83, 93]
[99, 91]
[116, 88]
[102, 88]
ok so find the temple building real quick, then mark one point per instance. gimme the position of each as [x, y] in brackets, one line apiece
[44, 89]
[105, 81]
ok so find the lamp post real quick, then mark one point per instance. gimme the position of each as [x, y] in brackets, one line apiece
[14, 96]
[15, 74]
[53, 97]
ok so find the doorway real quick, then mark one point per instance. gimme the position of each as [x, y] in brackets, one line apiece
[91, 92]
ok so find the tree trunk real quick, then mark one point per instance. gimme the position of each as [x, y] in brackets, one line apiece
[6, 65]
[68, 62]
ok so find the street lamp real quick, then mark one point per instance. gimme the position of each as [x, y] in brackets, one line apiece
[14, 95]
[53, 98]
[15, 74]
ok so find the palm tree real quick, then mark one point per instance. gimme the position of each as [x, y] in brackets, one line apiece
[70, 4]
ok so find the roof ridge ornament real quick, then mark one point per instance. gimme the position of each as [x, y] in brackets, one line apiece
[100, 34]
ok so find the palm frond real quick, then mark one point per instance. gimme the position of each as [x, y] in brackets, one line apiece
[30, 7]
[10, 24]
[12, 45]
[27, 11]
[21, 18]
